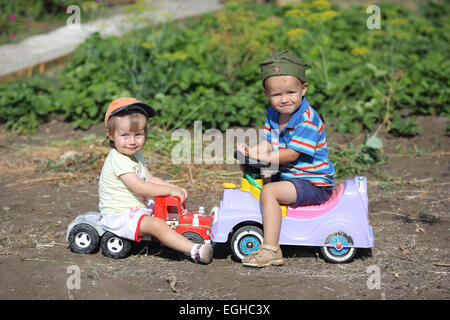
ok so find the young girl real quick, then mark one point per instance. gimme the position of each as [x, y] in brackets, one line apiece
[126, 184]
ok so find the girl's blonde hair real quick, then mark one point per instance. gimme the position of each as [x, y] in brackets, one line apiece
[134, 122]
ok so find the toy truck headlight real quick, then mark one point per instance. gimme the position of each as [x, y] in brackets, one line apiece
[215, 214]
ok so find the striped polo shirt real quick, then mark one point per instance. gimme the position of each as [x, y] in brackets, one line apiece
[304, 133]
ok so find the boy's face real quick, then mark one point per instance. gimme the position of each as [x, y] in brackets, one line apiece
[285, 93]
[127, 141]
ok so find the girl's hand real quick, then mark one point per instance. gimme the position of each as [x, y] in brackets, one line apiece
[185, 193]
[179, 192]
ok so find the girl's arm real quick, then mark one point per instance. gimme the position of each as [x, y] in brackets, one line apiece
[151, 189]
[153, 179]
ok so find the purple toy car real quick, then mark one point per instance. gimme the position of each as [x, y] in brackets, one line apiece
[339, 226]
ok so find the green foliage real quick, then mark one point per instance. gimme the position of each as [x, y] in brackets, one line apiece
[93, 78]
[18, 16]
[25, 104]
[353, 160]
[207, 68]
[404, 128]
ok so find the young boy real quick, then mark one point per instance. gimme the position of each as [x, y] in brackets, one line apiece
[126, 183]
[294, 138]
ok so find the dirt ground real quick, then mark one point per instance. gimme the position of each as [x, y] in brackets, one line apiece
[408, 210]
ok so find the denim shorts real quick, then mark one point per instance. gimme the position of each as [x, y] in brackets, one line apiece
[307, 193]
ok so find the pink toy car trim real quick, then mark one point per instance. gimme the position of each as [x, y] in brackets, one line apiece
[309, 212]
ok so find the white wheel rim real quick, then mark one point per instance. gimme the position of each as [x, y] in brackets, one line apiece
[239, 239]
[114, 245]
[344, 257]
[82, 240]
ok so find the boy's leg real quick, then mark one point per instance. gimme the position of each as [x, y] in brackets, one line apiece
[158, 228]
[272, 194]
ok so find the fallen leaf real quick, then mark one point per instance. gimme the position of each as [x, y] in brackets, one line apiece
[420, 229]
[172, 282]
[404, 250]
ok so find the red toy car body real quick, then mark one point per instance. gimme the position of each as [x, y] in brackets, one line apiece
[192, 225]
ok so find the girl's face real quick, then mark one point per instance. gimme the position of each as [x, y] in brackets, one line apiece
[127, 141]
[285, 93]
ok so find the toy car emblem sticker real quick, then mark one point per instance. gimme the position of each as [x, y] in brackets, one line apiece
[172, 224]
[361, 183]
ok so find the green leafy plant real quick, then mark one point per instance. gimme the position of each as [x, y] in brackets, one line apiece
[207, 69]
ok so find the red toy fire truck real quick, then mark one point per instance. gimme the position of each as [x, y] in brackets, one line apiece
[85, 234]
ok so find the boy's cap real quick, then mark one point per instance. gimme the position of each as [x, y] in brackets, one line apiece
[283, 63]
[125, 103]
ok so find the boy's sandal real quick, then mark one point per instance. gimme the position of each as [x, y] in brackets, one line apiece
[202, 253]
[265, 256]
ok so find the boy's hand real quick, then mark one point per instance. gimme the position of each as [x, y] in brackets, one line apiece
[248, 152]
[243, 148]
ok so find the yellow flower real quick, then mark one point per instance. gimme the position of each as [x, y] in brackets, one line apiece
[148, 44]
[173, 56]
[397, 21]
[269, 23]
[360, 51]
[313, 18]
[321, 4]
[296, 32]
[329, 14]
[296, 13]
[428, 29]
[400, 34]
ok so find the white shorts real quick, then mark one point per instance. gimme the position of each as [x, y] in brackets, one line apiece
[126, 224]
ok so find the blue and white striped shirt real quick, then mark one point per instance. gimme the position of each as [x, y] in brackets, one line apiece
[304, 133]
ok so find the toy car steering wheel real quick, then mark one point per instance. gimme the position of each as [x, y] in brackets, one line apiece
[246, 161]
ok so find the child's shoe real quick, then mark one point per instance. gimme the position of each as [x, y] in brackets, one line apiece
[265, 256]
[202, 253]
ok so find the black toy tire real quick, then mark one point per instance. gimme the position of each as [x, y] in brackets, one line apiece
[83, 238]
[194, 237]
[114, 246]
[241, 249]
[331, 254]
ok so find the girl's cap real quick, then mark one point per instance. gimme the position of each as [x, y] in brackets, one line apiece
[125, 103]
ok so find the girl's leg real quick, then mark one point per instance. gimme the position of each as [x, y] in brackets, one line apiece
[158, 228]
[272, 194]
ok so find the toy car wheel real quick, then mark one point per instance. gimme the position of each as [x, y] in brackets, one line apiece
[339, 252]
[194, 237]
[83, 238]
[245, 240]
[114, 246]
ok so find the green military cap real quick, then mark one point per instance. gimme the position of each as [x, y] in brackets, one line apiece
[283, 63]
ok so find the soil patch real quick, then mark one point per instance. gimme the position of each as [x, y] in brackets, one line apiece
[408, 210]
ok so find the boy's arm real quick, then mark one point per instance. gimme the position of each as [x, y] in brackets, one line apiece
[279, 156]
[263, 152]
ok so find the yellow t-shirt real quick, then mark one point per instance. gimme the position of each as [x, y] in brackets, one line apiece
[114, 195]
